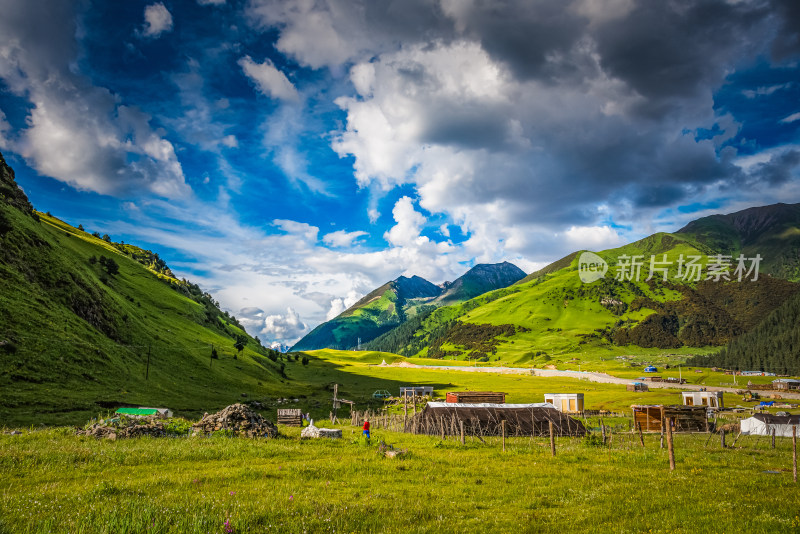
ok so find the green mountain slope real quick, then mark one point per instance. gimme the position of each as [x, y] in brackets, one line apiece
[80, 317]
[556, 314]
[770, 231]
[479, 280]
[394, 303]
[773, 345]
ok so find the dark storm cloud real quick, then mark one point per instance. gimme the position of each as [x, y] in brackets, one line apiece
[778, 169]
[672, 51]
[787, 42]
[525, 35]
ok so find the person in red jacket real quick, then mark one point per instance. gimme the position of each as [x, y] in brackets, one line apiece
[366, 428]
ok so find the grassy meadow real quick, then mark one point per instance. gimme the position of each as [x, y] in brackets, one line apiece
[53, 481]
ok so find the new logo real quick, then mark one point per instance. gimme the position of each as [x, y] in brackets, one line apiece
[591, 267]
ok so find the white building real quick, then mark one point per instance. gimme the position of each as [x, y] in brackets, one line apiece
[565, 402]
[712, 399]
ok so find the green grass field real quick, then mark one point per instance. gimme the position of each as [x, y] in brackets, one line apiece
[53, 481]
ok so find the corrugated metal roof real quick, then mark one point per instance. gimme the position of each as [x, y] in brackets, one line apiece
[488, 405]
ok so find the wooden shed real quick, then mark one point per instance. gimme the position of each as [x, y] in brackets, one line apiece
[475, 397]
[687, 418]
[565, 402]
[637, 386]
[416, 391]
[712, 399]
[786, 384]
[290, 416]
[486, 420]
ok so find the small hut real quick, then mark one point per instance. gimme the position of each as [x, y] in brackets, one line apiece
[712, 399]
[786, 384]
[565, 402]
[486, 420]
[290, 417]
[686, 418]
[637, 386]
[476, 397]
[416, 391]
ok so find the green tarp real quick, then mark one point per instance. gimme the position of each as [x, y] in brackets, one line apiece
[137, 411]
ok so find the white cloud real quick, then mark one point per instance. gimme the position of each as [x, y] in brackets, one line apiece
[317, 34]
[76, 132]
[268, 79]
[284, 326]
[342, 238]
[593, 237]
[791, 118]
[284, 131]
[409, 224]
[307, 232]
[5, 127]
[157, 20]
[765, 91]
[338, 305]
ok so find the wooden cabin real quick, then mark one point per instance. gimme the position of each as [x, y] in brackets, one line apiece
[687, 418]
[290, 417]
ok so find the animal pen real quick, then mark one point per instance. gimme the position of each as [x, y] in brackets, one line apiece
[441, 418]
[686, 418]
[447, 419]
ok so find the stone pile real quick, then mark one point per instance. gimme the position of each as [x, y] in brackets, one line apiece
[239, 419]
[150, 426]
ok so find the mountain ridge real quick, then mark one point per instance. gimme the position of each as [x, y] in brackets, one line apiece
[393, 303]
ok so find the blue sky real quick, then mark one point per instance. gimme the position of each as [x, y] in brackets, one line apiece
[290, 156]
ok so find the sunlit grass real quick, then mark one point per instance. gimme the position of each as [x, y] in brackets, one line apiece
[55, 482]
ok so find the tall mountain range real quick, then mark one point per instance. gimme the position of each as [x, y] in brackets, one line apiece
[552, 314]
[393, 303]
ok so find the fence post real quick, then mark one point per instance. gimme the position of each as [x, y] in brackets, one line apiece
[461, 424]
[722, 438]
[773, 437]
[552, 439]
[503, 429]
[794, 453]
[641, 436]
[603, 430]
[670, 446]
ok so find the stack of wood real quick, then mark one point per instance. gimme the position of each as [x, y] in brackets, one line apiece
[476, 397]
[290, 417]
[150, 426]
[238, 419]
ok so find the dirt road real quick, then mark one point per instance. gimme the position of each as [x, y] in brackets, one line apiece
[602, 378]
